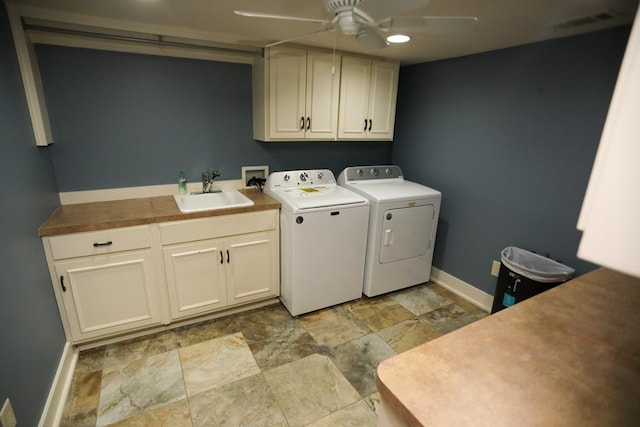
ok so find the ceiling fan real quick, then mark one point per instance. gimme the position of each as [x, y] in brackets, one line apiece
[366, 19]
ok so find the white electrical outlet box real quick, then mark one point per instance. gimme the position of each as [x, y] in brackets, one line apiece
[495, 268]
[249, 172]
[7, 417]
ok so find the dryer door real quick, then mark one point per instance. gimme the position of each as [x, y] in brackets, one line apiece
[406, 233]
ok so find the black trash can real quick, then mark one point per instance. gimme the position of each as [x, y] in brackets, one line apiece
[524, 274]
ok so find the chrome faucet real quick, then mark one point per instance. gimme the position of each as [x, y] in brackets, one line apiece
[207, 181]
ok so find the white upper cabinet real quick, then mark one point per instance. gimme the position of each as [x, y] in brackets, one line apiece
[301, 94]
[611, 209]
[296, 95]
[368, 94]
[323, 90]
[287, 93]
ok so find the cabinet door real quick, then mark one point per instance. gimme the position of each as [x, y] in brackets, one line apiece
[323, 90]
[382, 99]
[354, 97]
[287, 92]
[195, 277]
[108, 294]
[252, 270]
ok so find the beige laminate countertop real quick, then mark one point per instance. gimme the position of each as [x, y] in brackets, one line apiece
[567, 357]
[124, 213]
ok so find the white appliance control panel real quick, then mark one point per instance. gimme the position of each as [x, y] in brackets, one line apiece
[300, 178]
[360, 173]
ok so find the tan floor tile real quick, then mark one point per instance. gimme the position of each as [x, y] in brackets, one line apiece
[290, 345]
[81, 407]
[144, 384]
[139, 348]
[275, 338]
[90, 360]
[357, 414]
[309, 389]
[420, 299]
[216, 362]
[140, 381]
[481, 314]
[374, 402]
[466, 305]
[380, 312]
[408, 334]
[205, 331]
[334, 326]
[448, 318]
[358, 360]
[246, 402]
[175, 414]
[266, 323]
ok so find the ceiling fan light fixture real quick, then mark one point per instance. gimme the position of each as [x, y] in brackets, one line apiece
[347, 24]
[398, 38]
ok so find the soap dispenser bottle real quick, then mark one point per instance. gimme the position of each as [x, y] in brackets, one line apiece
[182, 183]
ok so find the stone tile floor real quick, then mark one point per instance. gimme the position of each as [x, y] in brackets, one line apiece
[262, 367]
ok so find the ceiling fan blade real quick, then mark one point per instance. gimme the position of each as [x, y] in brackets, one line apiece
[283, 17]
[316, 33]
[369, 40]
[377, 10]
[430, 24]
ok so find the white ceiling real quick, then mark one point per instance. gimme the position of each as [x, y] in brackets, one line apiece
[501, 23]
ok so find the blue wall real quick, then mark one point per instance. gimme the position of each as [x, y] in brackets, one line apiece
[509, 137]
[31, 335]
[122, 120]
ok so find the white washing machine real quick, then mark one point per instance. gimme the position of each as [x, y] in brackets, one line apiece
[403, 220]
[323, 237]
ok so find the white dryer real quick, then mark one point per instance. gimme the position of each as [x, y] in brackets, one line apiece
[323, 237]
[403, 218]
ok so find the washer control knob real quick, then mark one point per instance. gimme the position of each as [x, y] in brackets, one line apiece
[286, 177]
[374, 171]
[304, 176]
[360, 172]
[320, 175]
[387, 171]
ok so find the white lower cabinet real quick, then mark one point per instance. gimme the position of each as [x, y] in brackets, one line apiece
[109, 294]
[119, 281]
[252, 267]
[218, 262]
[195, 278]
[211, 274]
[105, 281]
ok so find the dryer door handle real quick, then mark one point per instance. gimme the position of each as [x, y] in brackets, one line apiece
[388, 237]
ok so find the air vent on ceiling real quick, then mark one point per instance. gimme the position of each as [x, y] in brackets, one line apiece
[581, 21]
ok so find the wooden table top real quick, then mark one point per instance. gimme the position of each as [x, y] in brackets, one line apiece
[124, 213]
[567, 357]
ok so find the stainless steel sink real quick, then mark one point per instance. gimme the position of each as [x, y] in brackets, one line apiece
[195, 202]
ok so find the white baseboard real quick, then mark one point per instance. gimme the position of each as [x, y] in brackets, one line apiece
[462, 289]
[53, 408]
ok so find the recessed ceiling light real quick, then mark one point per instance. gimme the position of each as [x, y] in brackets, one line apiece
[398, 38]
